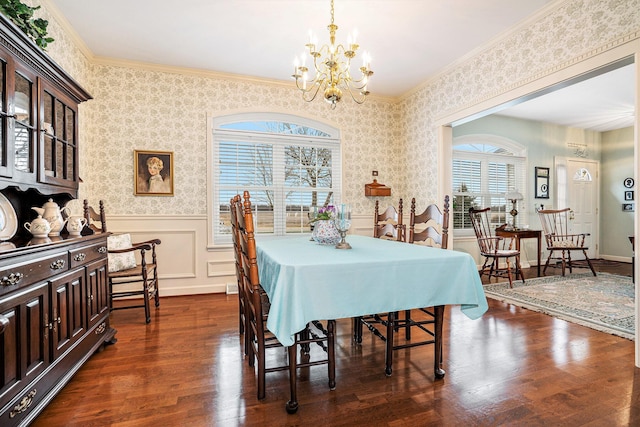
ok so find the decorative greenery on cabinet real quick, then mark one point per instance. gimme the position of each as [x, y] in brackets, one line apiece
[22, 15]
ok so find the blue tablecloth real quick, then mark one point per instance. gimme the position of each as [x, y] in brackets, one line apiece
[306, 281]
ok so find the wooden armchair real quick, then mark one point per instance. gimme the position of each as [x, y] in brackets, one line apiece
[96, 220]
[133, 278]
[494, 248]
[555, 226]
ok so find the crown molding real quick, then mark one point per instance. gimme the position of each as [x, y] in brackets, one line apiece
[503, 36]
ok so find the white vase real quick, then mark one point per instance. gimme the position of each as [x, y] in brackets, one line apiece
[325, 232]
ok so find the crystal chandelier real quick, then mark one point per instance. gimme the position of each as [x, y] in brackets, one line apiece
[331, 65]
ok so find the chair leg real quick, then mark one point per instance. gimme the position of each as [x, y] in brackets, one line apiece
[147, 310]
[240, 313]
[110, 295]
[570, 263]
[494, 262]
[407, 326]
[251, 352]
[589, 262]
[544, 270]
[292, 404]
[509, 272]
[156, 294]
[519, 269]
[262, 368]
[357, 330]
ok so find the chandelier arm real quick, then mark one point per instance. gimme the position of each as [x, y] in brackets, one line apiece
[359, 97]
[306, 94]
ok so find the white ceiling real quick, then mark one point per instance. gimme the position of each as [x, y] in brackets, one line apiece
[602, 103]
[410, 41]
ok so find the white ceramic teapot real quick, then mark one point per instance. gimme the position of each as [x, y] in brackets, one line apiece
[39, 227]
[52, 213]
[75, 224]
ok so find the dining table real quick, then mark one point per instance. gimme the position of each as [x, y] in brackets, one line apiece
[306, 281]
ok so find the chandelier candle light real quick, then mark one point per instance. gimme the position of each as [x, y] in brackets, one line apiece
[331, 65]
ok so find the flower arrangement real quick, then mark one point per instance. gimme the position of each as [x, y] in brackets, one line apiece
[325, 213]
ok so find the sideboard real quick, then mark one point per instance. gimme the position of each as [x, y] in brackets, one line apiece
[54, 309]
[54, 314]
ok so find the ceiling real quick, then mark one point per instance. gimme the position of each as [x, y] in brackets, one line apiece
[410, 41]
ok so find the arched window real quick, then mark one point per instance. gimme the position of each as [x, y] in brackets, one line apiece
[485, 167]
[287, 163]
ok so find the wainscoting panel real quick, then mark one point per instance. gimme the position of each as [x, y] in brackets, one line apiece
[183, 258]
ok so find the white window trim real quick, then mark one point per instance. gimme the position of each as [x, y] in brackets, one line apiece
[518, 153]
[214, 122]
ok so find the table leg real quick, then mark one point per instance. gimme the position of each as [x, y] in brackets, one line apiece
[437, 348]
[388, 356]
[331, 353]
[539, 253]
[292, 404]
[518, 249]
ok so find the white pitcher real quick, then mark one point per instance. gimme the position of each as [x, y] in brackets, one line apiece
[75, 224]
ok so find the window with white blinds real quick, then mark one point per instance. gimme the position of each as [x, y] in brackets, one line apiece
[288, 164]
[483, 172]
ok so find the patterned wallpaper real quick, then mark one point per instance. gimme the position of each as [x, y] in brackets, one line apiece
[572, 29]
[137, 108]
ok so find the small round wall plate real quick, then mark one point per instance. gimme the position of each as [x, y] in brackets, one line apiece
[629, 182]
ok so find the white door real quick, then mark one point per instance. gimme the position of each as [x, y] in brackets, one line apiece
[582, 198]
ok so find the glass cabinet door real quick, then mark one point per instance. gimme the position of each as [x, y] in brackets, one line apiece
[58, 128]
[4, 120]
[24, 125]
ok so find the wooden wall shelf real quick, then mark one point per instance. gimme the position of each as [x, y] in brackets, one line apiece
[376, 189]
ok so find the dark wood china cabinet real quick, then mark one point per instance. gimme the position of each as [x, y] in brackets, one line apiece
[54, 310]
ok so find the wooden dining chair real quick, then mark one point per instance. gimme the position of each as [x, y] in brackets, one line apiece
[493, 248]
[235, 210]
[260, 338]
[429, 228]
[555, 226]
[388, 224]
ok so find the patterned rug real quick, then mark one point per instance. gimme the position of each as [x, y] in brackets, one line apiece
[604, 303]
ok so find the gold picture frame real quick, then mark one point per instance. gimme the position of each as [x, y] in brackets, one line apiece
[153, 173]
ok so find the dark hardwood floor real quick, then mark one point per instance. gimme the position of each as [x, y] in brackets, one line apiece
[513, 367]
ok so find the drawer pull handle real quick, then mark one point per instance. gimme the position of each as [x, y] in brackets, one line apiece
[24, 404]
[100, 329]
[102, 250]
[57, 265]
[12, 279]
[79, 257]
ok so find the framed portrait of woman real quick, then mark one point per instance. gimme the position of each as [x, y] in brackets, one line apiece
[153, 173]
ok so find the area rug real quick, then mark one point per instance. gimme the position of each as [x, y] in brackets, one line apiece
[604, 302]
